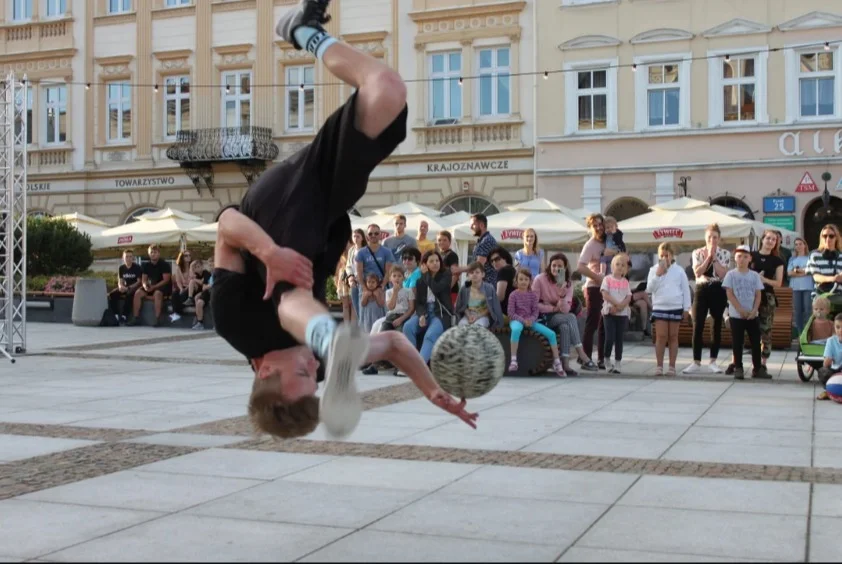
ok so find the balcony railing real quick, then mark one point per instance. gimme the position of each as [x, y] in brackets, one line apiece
[223, 144]
[468, 136]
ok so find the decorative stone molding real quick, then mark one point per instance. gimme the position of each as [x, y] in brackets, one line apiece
[737, 26]
[35, 66]
[234, 55]
[174, 60]
[813, 20]
[173, 12]
[233, 5]
[115, 66]
[468, 22]
[589, 42]
[290, 53]
[369, 42]
[660, 35]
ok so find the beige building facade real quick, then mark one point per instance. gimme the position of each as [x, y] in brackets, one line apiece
[137, 105]
[741, 102]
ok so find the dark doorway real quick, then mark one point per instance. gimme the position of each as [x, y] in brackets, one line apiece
[626, 208]
[734, 204]
[814, 219]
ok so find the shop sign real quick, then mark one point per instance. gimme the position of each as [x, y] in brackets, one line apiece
[807, 184]
[780, 221]
[790, 144]
[779, 204]
[668, 232]
[38, 187]
[125, 240]
[144, 182]
[470, 166]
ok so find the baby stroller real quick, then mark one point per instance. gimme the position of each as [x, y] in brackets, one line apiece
[810, 357]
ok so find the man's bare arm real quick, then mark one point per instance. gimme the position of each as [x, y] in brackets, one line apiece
[238, 232]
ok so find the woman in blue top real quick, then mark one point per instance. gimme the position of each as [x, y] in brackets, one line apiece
[530, 256]
[801, 283]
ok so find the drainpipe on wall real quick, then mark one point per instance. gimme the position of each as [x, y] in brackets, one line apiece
[535, 99]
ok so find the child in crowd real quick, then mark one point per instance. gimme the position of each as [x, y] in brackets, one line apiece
[744, 288]
[613, 245]
[477, 304]
[410, 257]
[832, 356]
[523, 312]
[822, 327]
[372, 302]
[399, 304]
[616, 295]
[671, 304]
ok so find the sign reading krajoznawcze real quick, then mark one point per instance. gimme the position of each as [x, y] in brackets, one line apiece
[470, 166]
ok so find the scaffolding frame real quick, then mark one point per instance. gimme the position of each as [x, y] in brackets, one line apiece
[13, 162]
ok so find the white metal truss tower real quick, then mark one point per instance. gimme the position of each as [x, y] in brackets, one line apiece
[13, 128]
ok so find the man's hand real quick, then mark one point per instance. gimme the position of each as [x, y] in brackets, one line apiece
[445, 401]
[286, 265]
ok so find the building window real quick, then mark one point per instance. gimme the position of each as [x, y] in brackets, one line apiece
[55, 104]
[21, 10]
[177, 103]
[738, 89]
[19, 122]
[445, 90]
[300, 98]
[471, 205]
[236, 99]
[119, 111]
[173, 3]
[663, 92]
[119, 6]
[495, 82]
[56, 8]
[590, 97]
[135, 215]
[817, 84]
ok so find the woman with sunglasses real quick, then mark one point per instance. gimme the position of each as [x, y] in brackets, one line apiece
[825, 263]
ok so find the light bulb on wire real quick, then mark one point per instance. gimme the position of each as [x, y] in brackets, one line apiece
[546, 75]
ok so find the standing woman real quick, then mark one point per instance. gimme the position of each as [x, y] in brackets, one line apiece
[825, 263]
[340, 280]
[433, 308]
[357, 244]
[710, 265]
[768, 263]
[180, 284]
[589, 267]
[530, 256]
[801, 284]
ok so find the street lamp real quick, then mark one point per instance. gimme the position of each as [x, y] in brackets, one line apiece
[826, 211]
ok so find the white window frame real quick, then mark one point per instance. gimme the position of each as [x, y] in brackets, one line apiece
[571, 95]
[295, 86]
[21, 10]
[237, 96]
[178, 98]
[54, 106]
[716, 96]
[123, 6]
[177, 3]
[792, 54]
[493, 72]
[585, 2]
[446, 75]
[58, 6]
[641, 86]
[119, 101]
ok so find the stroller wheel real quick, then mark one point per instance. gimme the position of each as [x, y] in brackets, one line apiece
[805, 371]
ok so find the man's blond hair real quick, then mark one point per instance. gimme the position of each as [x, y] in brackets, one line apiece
[271, 413]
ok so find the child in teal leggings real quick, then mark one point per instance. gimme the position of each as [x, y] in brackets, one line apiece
[523, 312]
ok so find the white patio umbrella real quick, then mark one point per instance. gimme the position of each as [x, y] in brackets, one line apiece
[203, 234]
[85, 224]
[544, 205]
[165, 227]
[407, 209]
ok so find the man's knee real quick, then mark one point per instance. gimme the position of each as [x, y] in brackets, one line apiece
[158, 295]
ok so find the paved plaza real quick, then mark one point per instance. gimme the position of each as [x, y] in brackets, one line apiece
[130, 444]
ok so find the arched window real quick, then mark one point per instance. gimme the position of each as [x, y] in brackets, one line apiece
[38, 214]
[815, 218]
[626, 208]
[734, 204]
[132, 217]
[471, 205]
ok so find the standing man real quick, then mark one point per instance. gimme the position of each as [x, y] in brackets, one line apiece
[423, 243]
[373, 258]
[485, 244]
[128, 281]
[400, 240]
[450, 260]
[156, 281]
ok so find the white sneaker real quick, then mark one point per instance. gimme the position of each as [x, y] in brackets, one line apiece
[340, 406]
[714, 368]
[174, 317]
[693, 369]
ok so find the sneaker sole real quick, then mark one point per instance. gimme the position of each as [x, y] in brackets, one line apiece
[340, 406]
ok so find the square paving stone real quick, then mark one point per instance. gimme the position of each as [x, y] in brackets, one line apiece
[558, 443]
[143, 491]
[827, 458]
[780, 498]
[617, 415]
[577, 554]
[539, 483]
[768, 422]
[20, 447]
[30, 528]
[739, 453]
[50, 416]
[384, 473]
[492, 433]
[379, 546]
[824, 539]
[704, 533]
[630, 431]
[193, 538]
[553, 523]
[827, 500]
[758, 437]
[231, 463]
[310, 504]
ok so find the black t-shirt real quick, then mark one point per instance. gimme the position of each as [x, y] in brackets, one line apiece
[301, 204]
[450, 258]
[507, 274]
[155, 272]
[130, 274]
[766, 265]
[205, 276]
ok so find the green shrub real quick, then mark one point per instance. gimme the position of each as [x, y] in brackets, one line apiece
[330, 291]
[37, 283]
[54, 246]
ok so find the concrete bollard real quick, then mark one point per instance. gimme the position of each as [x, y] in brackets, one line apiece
[89, 302]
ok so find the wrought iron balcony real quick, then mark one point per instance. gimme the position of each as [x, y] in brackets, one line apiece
[198, 149]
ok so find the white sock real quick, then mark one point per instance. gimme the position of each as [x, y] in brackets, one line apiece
[319, 334]
[313, 40]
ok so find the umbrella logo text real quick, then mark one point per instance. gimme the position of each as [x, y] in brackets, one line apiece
[665, 232]
[125, 240]
[511, 234]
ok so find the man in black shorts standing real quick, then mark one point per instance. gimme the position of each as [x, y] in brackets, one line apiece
[274, 254]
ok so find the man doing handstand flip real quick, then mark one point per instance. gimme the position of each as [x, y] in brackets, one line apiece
[276, 250]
